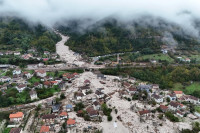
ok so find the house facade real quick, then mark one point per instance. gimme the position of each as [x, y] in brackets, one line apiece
[17, 117]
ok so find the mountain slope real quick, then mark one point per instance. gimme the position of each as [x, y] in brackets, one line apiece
[111, 36]
[16, 33]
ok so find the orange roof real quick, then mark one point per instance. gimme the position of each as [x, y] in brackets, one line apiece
[47, 83]
[178, 92]
[16, 115]
[63, 113]
[66, 74]
[181, 104]
[71, 121]
[44, 129]
[75, 73]
[54, 82]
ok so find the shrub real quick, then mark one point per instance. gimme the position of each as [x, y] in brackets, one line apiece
[109, 118]
[171, 117]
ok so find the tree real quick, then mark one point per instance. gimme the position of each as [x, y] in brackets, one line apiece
[106, 110]
[168, 99]
[38, 107]
[62, 96]
[109, 118]
[79, 106]
[171, 117]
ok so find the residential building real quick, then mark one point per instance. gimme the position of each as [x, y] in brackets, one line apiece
[172, 97]
[144, 88]
[155, 88]
[71, 123]
[178, 93]
[96, 105]
[132, 90]
[69, 107]
[54, 82]
[17, 71]
[92, 112]
[15, 130]
[28, 75]
[84, 89]
[38, 85]
[47, 84]
[33, 94]
[87, 82]
[16, 53]
[144, 113]
[163, 108]
[21, 87]
[41, 73]
[63, 115]
[179, 113]
[99, 94]
[46, 52]
[49, 118]
[55, 108]
[174, 106]
[5, 79]
[157, 98]
[44, 129]
[16, 117]
[79, 95]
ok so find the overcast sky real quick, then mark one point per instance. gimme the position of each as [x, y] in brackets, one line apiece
[51, 11]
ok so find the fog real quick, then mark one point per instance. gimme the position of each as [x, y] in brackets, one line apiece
[50, 12]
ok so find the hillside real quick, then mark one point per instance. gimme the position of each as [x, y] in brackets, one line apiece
[16, 33]
[111, 36]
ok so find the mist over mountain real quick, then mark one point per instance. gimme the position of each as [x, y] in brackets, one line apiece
[51, 12]
[108, 26]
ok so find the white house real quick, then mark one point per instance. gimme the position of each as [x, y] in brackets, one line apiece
[179, 113]
[172, 97]
[28, 75]
[41, 73]
[96, 105]
[33, 94]
[17, 53]
[155, 87]
[132, 90]
[157, 98]
[84, 89]
[5, 79]
[174, 106]
[79, 95]
[16, 117]
[63, 115]
[17, 71]
[132, 80]
[21, 87]
[99, 94]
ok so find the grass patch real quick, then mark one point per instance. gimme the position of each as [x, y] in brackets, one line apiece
[34, 80]
[47, 92]
[51, 74]
[177, 87]
[195, 57]
[197, 109]
[189, 90]
[162, 57]
[6, 130]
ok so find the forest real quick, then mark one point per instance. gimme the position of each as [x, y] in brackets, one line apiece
[165, 76]
[111, 37]
[16, 33]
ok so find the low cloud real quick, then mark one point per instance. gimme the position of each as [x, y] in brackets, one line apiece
[50, 12]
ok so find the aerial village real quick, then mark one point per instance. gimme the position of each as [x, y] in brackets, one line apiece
[78, 101]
